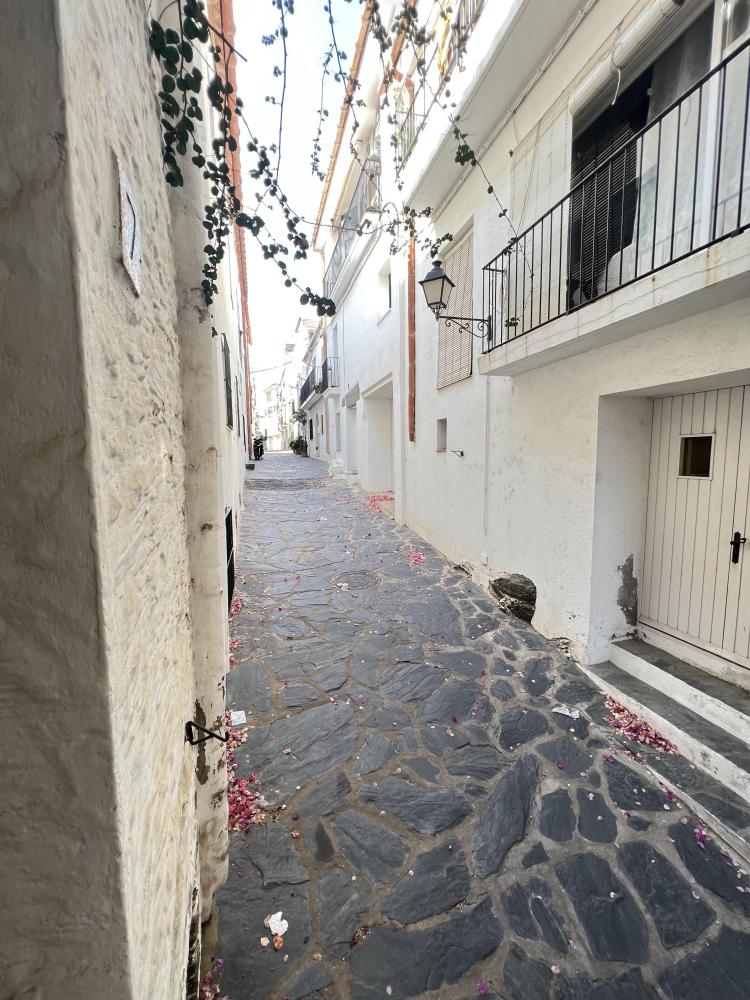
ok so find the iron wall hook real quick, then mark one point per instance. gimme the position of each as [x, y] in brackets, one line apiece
[190, 737]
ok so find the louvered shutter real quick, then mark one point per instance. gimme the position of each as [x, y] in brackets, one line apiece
[455, 347]
[603, 208]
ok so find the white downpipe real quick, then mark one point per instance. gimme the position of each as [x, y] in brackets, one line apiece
[627, 45]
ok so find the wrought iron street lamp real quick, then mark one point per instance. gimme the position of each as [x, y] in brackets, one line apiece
[437, 288]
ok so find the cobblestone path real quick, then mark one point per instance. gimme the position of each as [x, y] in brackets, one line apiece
[457, 837]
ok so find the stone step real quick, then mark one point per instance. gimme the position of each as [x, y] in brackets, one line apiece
[722, 703]
[711, 774]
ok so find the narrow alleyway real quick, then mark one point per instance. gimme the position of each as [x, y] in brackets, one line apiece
[445, 831]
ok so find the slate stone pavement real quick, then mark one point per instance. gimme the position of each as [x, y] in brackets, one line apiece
[457, 837]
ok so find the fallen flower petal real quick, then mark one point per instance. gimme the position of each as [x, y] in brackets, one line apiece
[635, 728]
[277, 924]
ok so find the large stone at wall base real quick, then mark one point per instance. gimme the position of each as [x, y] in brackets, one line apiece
[516, 595]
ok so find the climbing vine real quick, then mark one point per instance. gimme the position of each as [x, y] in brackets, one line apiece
[193, 59]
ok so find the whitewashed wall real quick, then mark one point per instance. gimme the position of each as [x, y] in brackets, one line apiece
[109, 469]
[539, 488]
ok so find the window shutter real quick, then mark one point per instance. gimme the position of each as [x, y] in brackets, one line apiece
[227, 379]
[455, 346]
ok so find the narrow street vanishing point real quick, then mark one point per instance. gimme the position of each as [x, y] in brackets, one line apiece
[439, 805]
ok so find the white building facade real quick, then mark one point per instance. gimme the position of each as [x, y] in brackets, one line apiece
[277, 404]
[587, 427]
[319, 395]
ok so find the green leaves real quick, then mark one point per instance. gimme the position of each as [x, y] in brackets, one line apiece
[182, 84]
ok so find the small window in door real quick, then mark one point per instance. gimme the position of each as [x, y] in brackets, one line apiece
[696, 456]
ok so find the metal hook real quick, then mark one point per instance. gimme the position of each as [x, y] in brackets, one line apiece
[191, 727]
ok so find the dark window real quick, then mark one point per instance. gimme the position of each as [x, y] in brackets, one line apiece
[227, 380]
[602, 209]
[230, 557]
[311, 429]
[237, 402]
[604, 205]
[695, 456]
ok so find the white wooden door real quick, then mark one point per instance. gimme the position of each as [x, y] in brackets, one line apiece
[696, 582]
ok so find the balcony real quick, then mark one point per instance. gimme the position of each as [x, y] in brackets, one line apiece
[329, 374]
[319, 380]
[467, 13]
[678, 187]
[366, 198]
[412, 115]
[308, 386]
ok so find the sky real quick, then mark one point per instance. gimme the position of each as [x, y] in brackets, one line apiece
[274, 309]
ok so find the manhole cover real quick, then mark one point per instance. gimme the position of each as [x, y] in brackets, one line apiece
[356, 579]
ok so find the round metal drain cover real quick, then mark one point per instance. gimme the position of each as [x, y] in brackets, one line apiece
[356, 579]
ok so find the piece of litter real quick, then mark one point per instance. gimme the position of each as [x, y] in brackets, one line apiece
[278, 942]
[237, 718]
[264, 942]
[277, 924]
[572, 713]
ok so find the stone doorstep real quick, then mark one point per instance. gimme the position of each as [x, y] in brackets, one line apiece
[714, 752]
[722, 703]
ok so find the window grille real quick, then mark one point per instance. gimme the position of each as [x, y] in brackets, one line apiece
[227, 380]
[455, 348]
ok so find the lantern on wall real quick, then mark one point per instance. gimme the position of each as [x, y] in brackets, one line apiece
[437, 288]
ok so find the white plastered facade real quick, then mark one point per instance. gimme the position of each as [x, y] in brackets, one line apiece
[545, 465]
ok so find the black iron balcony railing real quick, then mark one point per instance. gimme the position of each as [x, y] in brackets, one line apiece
[467, 12]
[678, 186]
[366, 198]
[319, 379]
[308, 386]
[329, 374]
[412, 110]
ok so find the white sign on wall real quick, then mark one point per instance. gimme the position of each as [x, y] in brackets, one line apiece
[130, 230]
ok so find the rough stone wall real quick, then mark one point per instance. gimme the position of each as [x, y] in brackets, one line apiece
[205, 433]
[113, 462]
[59, 840]
[131, 356]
